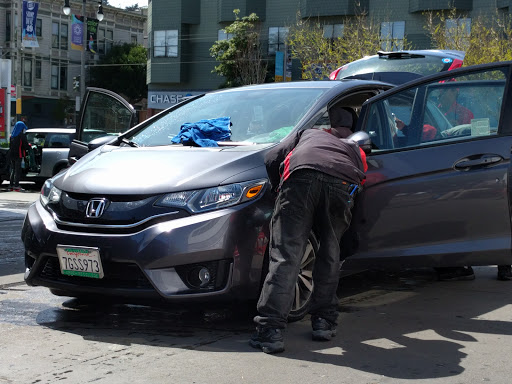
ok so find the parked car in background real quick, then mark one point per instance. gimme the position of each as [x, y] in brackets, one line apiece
[139, 217]
[401, 66]
[47, 155]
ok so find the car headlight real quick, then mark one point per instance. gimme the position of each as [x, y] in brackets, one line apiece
[49, 193]
[213, 198]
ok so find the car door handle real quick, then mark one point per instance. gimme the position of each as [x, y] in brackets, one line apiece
[479, 161]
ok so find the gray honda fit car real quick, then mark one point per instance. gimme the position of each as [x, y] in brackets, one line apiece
[139, 217]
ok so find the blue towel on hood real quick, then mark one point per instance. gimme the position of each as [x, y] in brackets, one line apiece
[18, 128]
[204, 133]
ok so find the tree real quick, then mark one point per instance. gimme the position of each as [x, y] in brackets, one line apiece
[123, 70]
[483, 40]
[319, 55]
[240, 56]
[134, 7]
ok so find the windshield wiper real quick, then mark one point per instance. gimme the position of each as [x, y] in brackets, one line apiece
[129, 142]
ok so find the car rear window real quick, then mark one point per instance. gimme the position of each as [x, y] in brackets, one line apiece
[419, 64]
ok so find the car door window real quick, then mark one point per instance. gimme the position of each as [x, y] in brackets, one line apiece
[104, 115]
[58, 140]
[458, 108]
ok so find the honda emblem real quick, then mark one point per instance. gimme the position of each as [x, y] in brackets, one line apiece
[95, 208]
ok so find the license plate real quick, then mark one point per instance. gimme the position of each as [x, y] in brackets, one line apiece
[80, 261]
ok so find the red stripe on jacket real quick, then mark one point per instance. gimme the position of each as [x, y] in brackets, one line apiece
[286, 170]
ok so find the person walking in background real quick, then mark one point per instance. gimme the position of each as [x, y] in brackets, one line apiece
[317, 174]
[18, 146]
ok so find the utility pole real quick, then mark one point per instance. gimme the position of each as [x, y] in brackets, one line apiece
[19, 50]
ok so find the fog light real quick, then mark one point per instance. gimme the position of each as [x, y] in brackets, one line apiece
[204, 276]
[199, 276]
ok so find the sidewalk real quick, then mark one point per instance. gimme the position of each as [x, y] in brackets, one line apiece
[13, 206]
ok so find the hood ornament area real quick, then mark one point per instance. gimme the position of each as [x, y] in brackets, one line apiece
[95, 208]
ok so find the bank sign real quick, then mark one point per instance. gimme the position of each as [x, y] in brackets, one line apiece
[166, 99]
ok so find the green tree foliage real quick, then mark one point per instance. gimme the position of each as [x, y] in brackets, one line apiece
[485, 40]
[319, 55]
[123, 70]
[240, 57]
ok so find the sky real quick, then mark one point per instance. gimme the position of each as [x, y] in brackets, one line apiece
[127, 3]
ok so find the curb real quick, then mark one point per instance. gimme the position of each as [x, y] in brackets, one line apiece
[10, 280]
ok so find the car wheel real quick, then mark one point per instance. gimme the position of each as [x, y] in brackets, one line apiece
[304, 283]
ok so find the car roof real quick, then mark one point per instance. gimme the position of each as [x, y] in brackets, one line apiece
[51, 130]
[321, 84]
[454, 54]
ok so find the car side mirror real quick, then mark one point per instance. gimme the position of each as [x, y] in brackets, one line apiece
[363, 140]
[99, 141]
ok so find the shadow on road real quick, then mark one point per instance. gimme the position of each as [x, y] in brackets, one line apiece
[404, 325]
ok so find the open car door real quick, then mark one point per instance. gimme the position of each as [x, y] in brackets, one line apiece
[104, 114]
[438, 185]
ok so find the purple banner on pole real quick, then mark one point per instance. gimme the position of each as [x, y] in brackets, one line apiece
[77, 32]
[28, 32]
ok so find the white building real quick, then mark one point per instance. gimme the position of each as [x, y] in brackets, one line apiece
[45, 74]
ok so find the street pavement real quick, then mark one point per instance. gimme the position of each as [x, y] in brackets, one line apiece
[13, 206]
[394, 328]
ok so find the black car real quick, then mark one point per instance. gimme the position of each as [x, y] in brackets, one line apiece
[141, 218]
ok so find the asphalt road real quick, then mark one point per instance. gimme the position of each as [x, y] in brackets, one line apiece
[394, 328]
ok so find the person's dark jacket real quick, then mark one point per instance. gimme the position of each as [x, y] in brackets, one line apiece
[319, 150]
[18, 146]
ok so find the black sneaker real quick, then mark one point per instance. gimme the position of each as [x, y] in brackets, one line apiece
[269, 340]
[455, 273]
[504, 272]
[323, 330]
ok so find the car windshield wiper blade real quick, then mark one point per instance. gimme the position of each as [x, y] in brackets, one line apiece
[129, 142]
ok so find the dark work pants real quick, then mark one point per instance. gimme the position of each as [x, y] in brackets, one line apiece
[308, 199]
[15, 171]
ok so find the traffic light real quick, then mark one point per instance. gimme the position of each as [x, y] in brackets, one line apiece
[76, 83]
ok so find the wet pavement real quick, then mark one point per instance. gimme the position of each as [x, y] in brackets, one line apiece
[394, 327]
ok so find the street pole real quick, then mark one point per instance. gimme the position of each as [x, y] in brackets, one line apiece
[18, 60]
[84, 41]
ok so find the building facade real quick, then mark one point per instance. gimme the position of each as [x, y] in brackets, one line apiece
[46, 74]
[181, 32]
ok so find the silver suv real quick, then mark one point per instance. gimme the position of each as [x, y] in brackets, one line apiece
[48, 153]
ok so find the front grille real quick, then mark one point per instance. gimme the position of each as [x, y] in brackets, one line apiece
[122, 214]
[117, 275]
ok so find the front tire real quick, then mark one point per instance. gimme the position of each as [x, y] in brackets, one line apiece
[304, 284]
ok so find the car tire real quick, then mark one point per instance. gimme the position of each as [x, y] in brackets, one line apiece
[304, 284]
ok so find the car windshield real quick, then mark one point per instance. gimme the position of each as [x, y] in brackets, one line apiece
[412, 63]
[257, 115]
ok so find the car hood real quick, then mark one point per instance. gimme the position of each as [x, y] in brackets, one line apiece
[142, 171]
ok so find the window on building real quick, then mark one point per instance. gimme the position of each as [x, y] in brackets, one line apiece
[458, 31]
[38, 69]
[109, 40]
[165, 43]
[39, 27]
[63, 78]
[276, 39]
[55, 77]
[392, 34]
[333, 31]
[63, 36]
[222, 35]
[55, 35]
[134, 39]
[7, 26]
[101, 41]
[27, 73]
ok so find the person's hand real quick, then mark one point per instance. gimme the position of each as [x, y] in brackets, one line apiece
[399, 123]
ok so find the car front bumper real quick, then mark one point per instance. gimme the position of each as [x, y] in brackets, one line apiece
[157, 262]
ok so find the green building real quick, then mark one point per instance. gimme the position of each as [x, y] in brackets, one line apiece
[181, 32]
